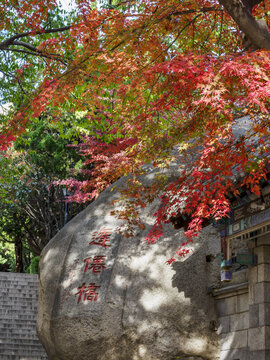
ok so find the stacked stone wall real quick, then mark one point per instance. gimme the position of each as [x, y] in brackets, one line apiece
[259, 302]
[18, 308]
[232, 305]
[243, 309]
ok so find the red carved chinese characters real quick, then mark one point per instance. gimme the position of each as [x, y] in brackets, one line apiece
[101, 238]
[94, 264]
[89, 293]
[98, 264]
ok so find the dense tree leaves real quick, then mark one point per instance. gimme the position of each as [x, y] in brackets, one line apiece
[171, 80]
[32, 210]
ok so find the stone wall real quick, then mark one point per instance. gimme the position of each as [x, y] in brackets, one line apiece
[18, 307]
[259, 302]
[243, 309]
[232, 307]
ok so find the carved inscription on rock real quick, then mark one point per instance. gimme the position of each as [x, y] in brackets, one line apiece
[86, 283]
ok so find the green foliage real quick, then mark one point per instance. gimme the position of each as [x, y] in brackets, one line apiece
[33, 267]
[15, 84]
[7, 257]
[33, 209]
[46, 148]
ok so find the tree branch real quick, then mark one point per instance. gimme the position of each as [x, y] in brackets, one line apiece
[21, 87]
[251, 3]
[26, 45]
[185, 12]
[4, 44]
[255, 30]
[201, 10]
[38, 53]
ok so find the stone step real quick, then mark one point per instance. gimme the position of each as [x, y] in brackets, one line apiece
[17, 319]
[16, 357]
[18, 306]
[19, 340]
[24, 309]
[22, 353]
[14, 334]
[14, 312]
[20, 333]
[22, 289]
[4, 336]
[21, 347]
[20, 283]
[19, 325]
[22, 350]
[16, 296]
[23, 297]
[18, 312]
[10, 308]
[19, 294]
[19, 322]
[30, 351]
[31, 278]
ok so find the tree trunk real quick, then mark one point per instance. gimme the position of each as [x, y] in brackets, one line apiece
[19, 255]
[255, 30]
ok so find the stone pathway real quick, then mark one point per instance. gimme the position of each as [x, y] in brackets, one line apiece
[18, 311]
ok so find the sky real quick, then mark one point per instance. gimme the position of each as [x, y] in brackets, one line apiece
[69, 4]
[66, 4]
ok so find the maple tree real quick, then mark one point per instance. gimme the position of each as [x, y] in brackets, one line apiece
[159, 81]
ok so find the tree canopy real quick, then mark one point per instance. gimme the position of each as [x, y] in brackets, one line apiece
[158, 80]
[32, 210]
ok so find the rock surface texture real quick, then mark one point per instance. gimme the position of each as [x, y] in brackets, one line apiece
[104, 297]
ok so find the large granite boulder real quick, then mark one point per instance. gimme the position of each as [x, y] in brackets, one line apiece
[104, 297]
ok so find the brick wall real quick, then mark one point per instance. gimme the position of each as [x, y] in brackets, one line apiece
[18, 308]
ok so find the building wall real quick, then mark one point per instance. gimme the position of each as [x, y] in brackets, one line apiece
[259, 302]
[243, 309]
[18, 308]
[232, 306]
